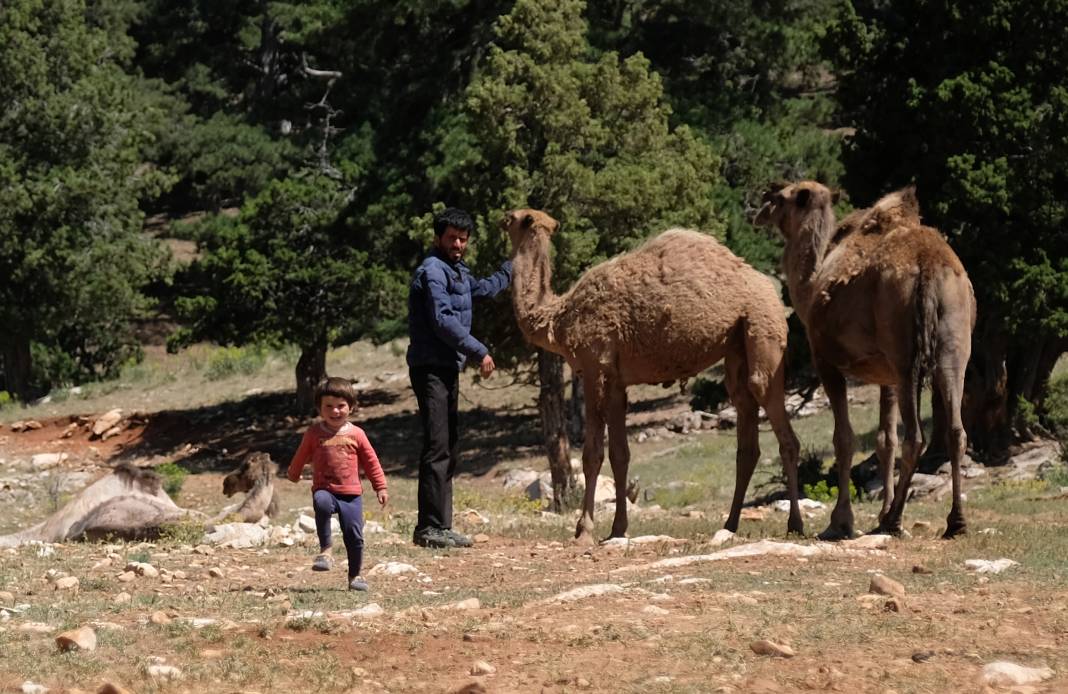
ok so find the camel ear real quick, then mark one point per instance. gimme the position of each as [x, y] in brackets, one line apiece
[802, 197]
[528, 221]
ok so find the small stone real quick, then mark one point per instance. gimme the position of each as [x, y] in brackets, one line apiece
[765, 647]
[164, 672]
[922, 656]
[481, 538]
[160, 617]
[121, 599]
[920, 569]
[881, 585]
[29, 687]
[143, 569]
[126, 576]
[215, 572]
[82, 639]
[204, 549]
[481, 667]
[66, 583]
[1003, 672]
[6, 598]
[894, 605]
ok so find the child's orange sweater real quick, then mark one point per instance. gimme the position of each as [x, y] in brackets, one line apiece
[336, 459]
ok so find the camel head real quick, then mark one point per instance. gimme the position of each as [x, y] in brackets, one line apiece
[789, 206]
[256, 466]
[521, 224]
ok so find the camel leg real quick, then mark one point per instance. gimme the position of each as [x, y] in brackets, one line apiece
[950, 383]
[886, 444]
[748, 452]
[592, 450]
[618, 451]
[841, 526]
[910, 454]
[773, 399]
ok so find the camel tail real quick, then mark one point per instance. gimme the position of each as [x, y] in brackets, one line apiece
[925, 333]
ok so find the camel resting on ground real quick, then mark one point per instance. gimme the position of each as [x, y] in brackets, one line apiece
[884, 300]
[128, 504]
[131, 504]
[255, 477]
[663, 312]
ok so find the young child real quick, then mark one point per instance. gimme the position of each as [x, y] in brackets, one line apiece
[337, 450]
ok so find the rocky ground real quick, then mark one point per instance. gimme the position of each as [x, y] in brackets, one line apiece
[679, 607]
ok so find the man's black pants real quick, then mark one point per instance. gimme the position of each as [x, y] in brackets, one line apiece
[437, 390]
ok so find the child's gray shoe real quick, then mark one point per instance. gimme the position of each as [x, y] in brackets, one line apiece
[323, 562]
[358, 584]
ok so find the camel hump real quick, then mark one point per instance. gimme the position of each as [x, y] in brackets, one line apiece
[897, 209]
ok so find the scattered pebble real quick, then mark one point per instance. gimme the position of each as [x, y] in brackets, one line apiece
[882, 585]
[481, 667]
[778, 650]
[984, 566]
[1003, 672]
[82, 639]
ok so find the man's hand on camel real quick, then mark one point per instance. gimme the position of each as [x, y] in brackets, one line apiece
[487, 366]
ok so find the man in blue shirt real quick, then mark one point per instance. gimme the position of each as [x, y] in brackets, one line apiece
[439, 321]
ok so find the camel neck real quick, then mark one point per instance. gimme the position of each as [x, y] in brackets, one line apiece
[532, 292]
[804, 256]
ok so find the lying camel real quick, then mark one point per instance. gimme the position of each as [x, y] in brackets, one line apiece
[255, 477]
[128, 504]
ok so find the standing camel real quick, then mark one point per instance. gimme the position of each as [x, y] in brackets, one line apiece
[884, 300]
[663, 312]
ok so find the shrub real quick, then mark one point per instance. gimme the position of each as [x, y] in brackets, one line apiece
[173, 476]
[821, 491]
[231, 361]
[708, 394]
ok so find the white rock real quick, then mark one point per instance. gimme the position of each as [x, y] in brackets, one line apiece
[106, 422]
[121, 598]
[868, 542]
[304, 523]
[164, 672]
[481, 667]
[519, 479]
[29, 687]
[237, 535]
[468, 604]
[370, 527]
[1003, 672]
[143, 569]
[586, 592]
[805, 504]
[44, 461]
[722, 537]
[984, 566]
[391, 568]
[654, 610]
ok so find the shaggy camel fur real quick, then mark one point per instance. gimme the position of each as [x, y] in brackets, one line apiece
[663, 312]
[884, 300]
[255, 477]
[127, 504]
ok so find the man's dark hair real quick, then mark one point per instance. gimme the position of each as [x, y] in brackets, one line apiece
[337, 388]
[453, 217]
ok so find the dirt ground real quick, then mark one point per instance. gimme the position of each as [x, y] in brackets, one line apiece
[502, 616]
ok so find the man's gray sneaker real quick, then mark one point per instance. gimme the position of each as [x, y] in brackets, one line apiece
[435, 538]
[458, 539]
[358, 584]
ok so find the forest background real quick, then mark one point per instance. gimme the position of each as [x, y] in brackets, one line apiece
[304, 146]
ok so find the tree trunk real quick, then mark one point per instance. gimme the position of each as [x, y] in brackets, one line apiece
[17, 365]
[985, 409]
[551, 405]
[311, 370]
[577, 405]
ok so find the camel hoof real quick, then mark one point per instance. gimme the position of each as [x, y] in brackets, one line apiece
[891, 530]
[836, 534]
[799, 531]
[954, 529]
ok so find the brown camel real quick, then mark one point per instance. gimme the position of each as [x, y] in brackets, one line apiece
[663, 312]
[884, 300]
[255, 477]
